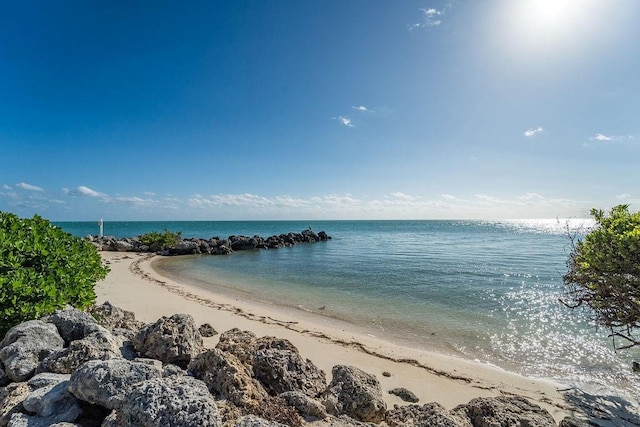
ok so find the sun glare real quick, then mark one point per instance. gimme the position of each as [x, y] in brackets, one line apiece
[548, 26]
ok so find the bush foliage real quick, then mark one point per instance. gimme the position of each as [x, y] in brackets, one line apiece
[603, 273]
[159, 241]
[43, 268]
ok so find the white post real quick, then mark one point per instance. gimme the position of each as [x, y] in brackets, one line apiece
[101, 229]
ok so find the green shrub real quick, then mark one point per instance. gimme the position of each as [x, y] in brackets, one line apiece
[603, 273]
[159, 241]
[43, 268]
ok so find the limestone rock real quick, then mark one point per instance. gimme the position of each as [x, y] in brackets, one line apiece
[431, 414]
[285, 370]
[185, 248]
[242, 344]
[206, 330]
[112, 317]
[226, 377]
[26, 345]
[73, 324]
[122, 246]
[305, 405]
[575, 422]
[11, 398]
[355, 393]
[170, 401]
[255, 421]
[101, 345]
[172, 339]
[504, 411]
[108, 382]
[53, 402]
[404, 394]
[46, 379]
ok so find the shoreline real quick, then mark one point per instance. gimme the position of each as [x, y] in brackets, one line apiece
[134, 285]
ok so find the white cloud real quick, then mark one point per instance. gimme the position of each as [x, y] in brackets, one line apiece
[361, 108]
[29, 187]
[623, 196]
[6, 187]
[86, 191]
[602, 137]
[345, 121]
[610, 138]
[530, 133]
[430, 18]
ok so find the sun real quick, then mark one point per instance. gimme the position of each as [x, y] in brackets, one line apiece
[547, 26]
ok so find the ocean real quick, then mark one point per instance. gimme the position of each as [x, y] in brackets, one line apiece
[488, 291]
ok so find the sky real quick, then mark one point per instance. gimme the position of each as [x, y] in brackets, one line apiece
[349, 109]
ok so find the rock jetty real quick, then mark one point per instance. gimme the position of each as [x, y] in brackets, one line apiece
[108, 369]
[212, 246]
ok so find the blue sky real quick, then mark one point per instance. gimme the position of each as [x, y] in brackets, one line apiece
[350, 109]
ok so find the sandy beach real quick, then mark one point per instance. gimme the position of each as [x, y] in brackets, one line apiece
[134, 285]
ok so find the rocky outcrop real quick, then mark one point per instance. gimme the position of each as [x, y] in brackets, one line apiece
[26, 345]
[213, 246]
[244, 381]
[355, 393]
[504, 411]
[174, 339]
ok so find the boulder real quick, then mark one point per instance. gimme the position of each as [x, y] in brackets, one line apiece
[170, 401]
[281, 370]
[575, 422]
[73, 324]
[355, 393]
[185, 247]
[26, 345]
[242, 344]
[243, 243]
[101, 345]
[11, 398]
[404, 394]
[112, 317]
[174, 339]
[122, 246]
[305, 405]
[504, 411]
[53, 402]
[430, 414]
[108, 382]
[226, 377]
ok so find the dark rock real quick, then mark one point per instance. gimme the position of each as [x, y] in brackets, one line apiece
[227, 377]
[431, 414]
[206, 330]
[108, 382]
[26, 345]
[575, 422]
[122, 246]
[243, 243]
[504, 411]
[170, 401]
[172, 339]
[386, 374]
[355, 393]
[185, 248]
[404, 394]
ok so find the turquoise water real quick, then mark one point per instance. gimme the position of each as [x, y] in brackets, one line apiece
[481, 290]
